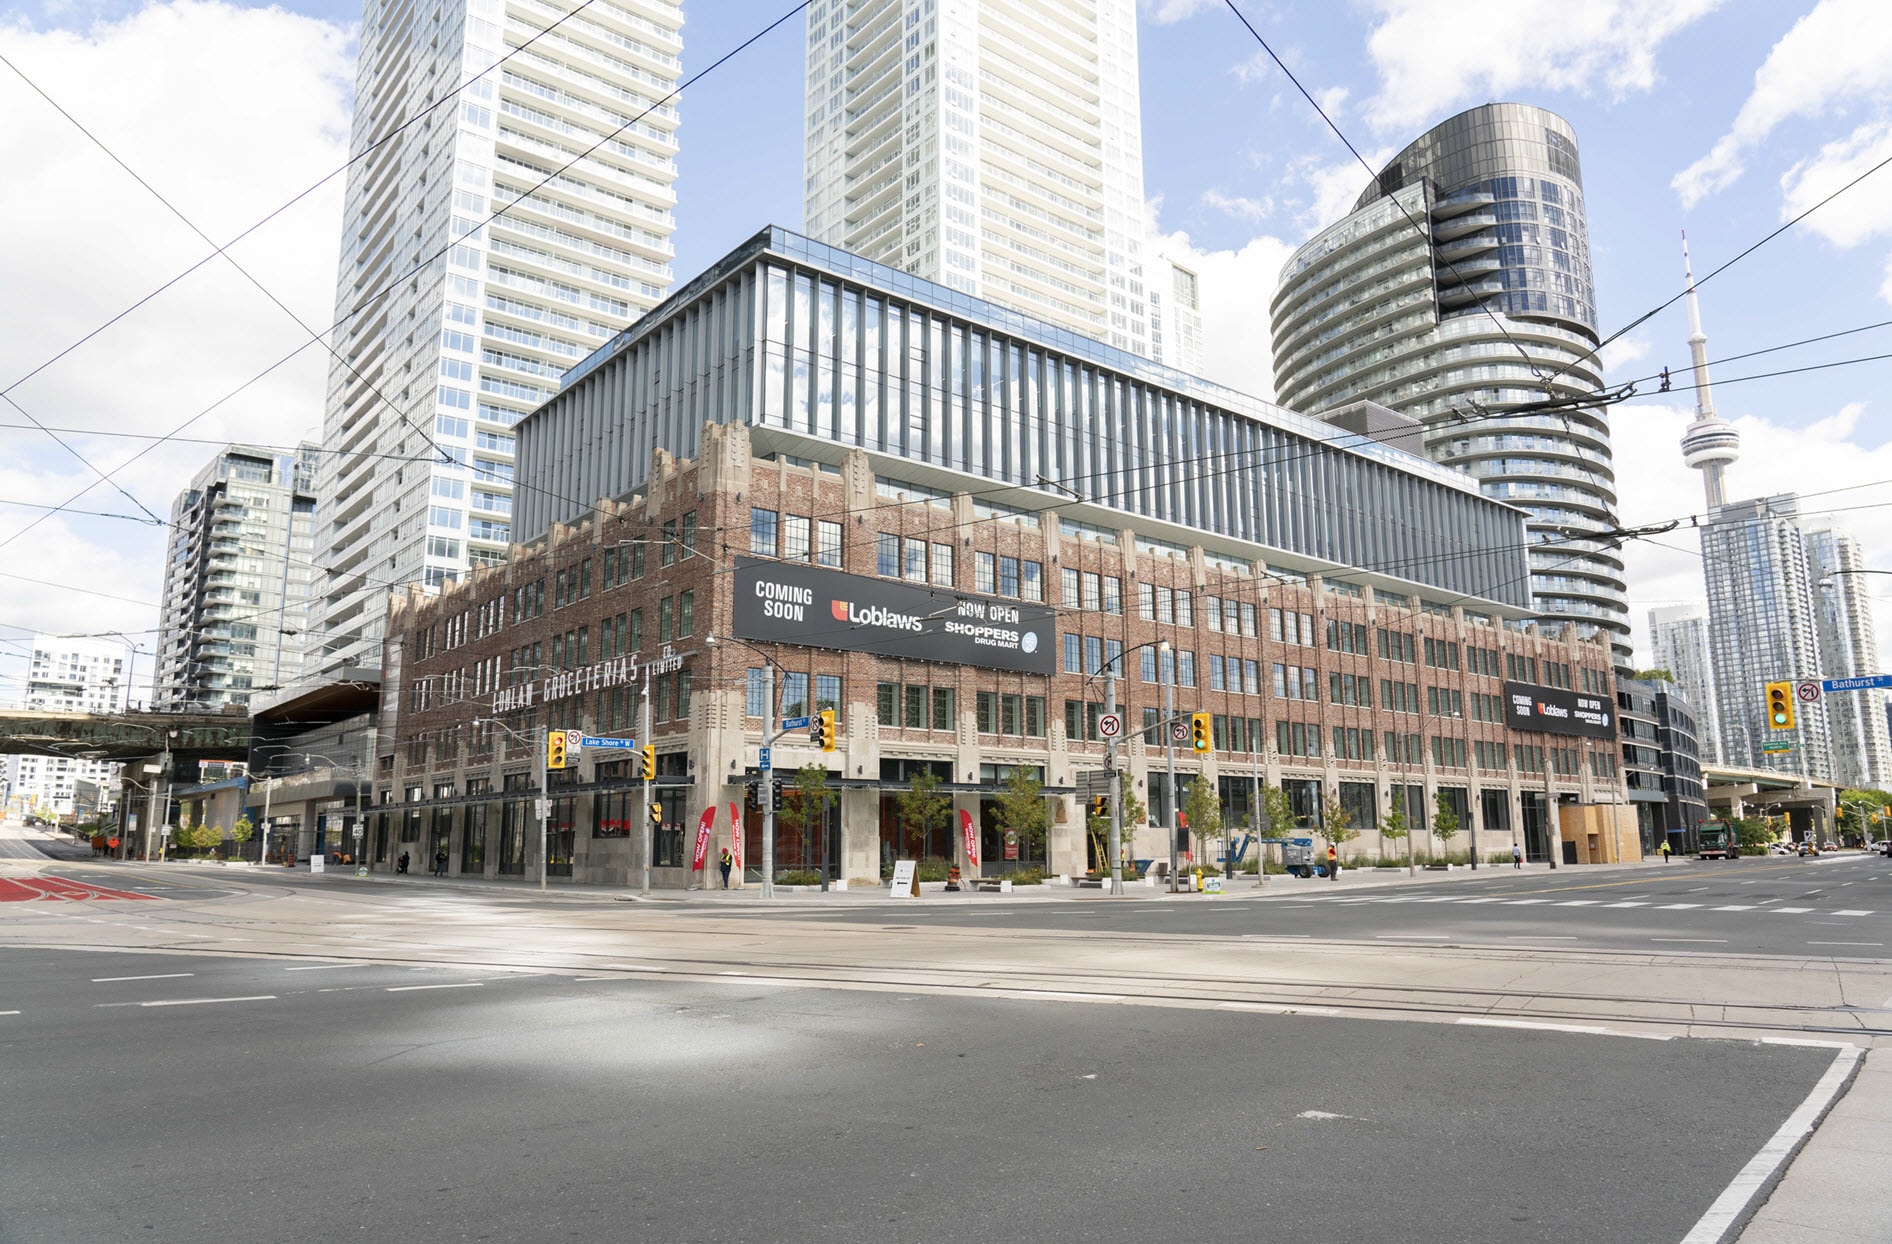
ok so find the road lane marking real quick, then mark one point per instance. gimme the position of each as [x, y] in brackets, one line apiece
[1845, 943]
[1736, 907]
[1071, 995]
[1588, 1029]
[9, 1012]
[455, 985]
[1678, 906]
[1761, 1167]
[1625, 905]
[1412, 935]
[1542, 937]
[637, 967]
[1524, 902]
[1795, 911]
[327, 967]
[1848, 911]
[1276, 1008]
[1579, 902]
[258, 997]
[1688, 939]
[161, 976]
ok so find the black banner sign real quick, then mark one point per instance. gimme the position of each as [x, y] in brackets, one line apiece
[789, 603]
[1551, 710]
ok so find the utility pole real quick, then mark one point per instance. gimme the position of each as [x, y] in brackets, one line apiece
[644, 820]
[768, 786]
[545, 802]
[1169, 740]
[1116, 787]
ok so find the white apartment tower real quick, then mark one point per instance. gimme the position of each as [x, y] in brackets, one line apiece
[1849, 648]
[993, 146]
[236, 578]
[67, 676]
[1678, 643]
[452, 328]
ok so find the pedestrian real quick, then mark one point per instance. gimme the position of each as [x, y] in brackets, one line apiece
[1517, 856]
[400, 865]
[1333, 862]
[440, 863]
[1665, 850]
[727, 862]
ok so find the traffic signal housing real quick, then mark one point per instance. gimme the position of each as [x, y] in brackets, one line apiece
[650, 761]
[656, 813]
[1780, 706]
[555, 757]
[1100, 806]
[1202, 732]
[824, 729]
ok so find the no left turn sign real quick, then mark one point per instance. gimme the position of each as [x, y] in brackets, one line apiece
[1807, 691]
[1110, 725]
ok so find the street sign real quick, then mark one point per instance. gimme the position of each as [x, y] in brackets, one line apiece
[1110, 725]
[1092, 783]
[763, 762]
[795, 723]
[1777, 745]
[1807, 692]
[541, 808]
[356, 832]
[1179, 731]
[1866, 682]
[608, 744]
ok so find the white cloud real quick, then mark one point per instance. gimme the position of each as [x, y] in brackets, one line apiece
[1165, 12]
[1621, 353]
[1331, 187]
[1435, 54]
[1252, 210]
[228, 112]
[1837, 452]
[1838, 53]
[1235, 288]
[1858, 215]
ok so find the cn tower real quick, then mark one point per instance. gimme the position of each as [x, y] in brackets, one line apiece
[1711, 443]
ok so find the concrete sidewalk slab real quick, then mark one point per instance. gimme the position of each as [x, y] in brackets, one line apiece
[1837, 1189]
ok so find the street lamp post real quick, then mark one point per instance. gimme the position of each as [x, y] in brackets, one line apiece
[1169, 742]
[769, 735]
[645, 819]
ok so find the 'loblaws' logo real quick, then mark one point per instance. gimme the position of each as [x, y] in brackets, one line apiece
[874, 615]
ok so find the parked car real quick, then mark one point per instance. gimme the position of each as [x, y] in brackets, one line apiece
[1829, 846]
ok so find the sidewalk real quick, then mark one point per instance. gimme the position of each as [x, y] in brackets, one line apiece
[1837, 1190]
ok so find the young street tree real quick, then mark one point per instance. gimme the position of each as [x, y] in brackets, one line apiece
[1393, 825]
[1338, 822]
[1444, 822]
[807, 804]
[924, 807]
[241, 832]
[1021, 807]
[1203, 806]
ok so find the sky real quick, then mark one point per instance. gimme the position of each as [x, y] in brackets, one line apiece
[1724, 118]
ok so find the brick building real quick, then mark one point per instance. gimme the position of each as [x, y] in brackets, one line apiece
[943, 519]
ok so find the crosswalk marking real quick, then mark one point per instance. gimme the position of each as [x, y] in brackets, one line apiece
[1588, 902]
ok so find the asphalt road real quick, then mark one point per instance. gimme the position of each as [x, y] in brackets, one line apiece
[175, 1097]
[1838, 907]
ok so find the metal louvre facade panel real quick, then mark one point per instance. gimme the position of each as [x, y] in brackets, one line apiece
[833, 350]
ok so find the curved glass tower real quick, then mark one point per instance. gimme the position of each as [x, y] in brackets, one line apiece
[1457, 288]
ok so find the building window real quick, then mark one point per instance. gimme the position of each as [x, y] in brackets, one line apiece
[763, 525]
[986, 574]
[915, 568]
[686, 612]
[758, 686]
[828, 544]
[942, 565]
[665, 619]
[886, 696]
[827, 692]
[795, 538]
[943, 708]
[887, 555]
[794, 696]
[913, 716]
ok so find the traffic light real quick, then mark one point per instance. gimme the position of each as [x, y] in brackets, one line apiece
[656, 814]
[1202, 732]
[1780, 706]
[775, 796]
[1100, 806]
[650, 761]
[752, 796]
[825, 730]
[555, 749]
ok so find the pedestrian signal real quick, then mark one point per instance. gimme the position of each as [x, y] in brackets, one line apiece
[1780, 706]
[1202, 732]
[656, 813]
[826, 730]
[650, 762]
[555, 749]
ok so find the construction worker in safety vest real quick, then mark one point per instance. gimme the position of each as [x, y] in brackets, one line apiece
[1333, 862]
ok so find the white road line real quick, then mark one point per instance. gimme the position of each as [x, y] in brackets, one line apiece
[259, 997]
[1481, 900]
[161, 976]
[9, 1012]
[1792, 911]
[1688, 939]
[1848, 911]
[636, 967]
[1678, 906]
[1761, 1167]
[1736, 907]
[1412, 935]
[1524, 902]
[1071, 995]
[1588, 1029]
[1625, 904]
[455, 985]
[1580, 902]
[1845, 943]
[1276, 1008]
[326, 967]
[1542, 937]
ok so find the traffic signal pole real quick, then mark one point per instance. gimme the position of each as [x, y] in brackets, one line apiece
[1116, 788]
[545, 806]
[645, 818]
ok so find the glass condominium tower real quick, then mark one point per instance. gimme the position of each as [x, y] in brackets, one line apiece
[1457, 288]
[991, 146]
[451, 328]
